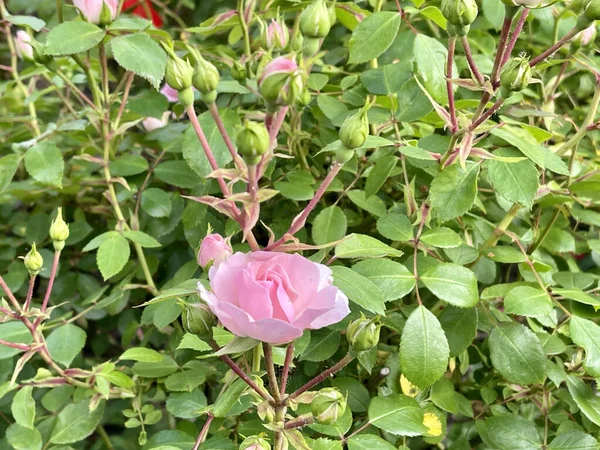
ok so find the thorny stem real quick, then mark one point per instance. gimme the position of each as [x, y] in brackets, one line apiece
[50, 282]
[204, 432]
[321, 377]
[474, 70]
[583, 129]
[299, 422]
[449, 87]
[501, 228]
[128, 83]
[487, 114]
[91, 79]
[270, 366]
[562, 41]
[75, 89]
[240, 373]
[29, 293]
[300, 219]
[501, 47]
[289, 356]
[544, 232]
[214, 112]
[10, 294]
[515, 35]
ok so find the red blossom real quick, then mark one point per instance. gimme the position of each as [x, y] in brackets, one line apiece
[138, 8]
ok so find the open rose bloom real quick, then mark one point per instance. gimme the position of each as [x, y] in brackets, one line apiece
[273, 297]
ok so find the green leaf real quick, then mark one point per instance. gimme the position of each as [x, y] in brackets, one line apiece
[139, 54]
[357, 394]
[373, 36]
[517, 354]
[238, 345]
[112, 255]
[586, 334]
[76, 422]
[424, 350]
[379, 174]
[430, 61]
[574, 440]
[186, 405]
[45, 164]
[329, 226]
[73, 37]
[460, 327]
[65, 343]
[373, 204]
[193, 375]
[35, 23]
[416, 153]
[22, 438]
[141, 354]
[294, 190]
[386, 79]
[15, 332]
[155, 369]
[226, 400]
[493, 10]
[505, 254]
[453, 191]
[359, 289]
[395, 227]
[516, 182]
[527, 301]
[23, 407]
[588, 402]
[192, 150]
[156, 202]
[323, 344]
[397, 414]
[393, 279]
[509, 432]
[363, 246]
[189, 287]
[368, 442]
[442, 237]
[452, 283]
[139, 237]
[577, 295]
[127, 165]
[8, 167]
[177, 173]
[193, 342]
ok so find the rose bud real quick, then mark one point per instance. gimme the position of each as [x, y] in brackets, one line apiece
[255, 443]
[355, 129]
[277, 35]
[152, 123]
[238, 72]
[332, 14]
[281, 82]
[23, 46]
[33, 261]
[98, 11]
[591, 9]
[328, 406]
[198, 319]
[363, 334]
[459, 12]
[206, 76]
[315, 21]
[59, 231]
[296, 41]
[515, 75]
[253, 141]
[213, 249]
[584, 38]
[179, 75]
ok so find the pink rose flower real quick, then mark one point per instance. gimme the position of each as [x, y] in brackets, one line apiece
[170, 93]
[277, 35]
[92, 9]
[273, 297]
[152, 123]
[278, 66]
[213, 248]
[24, 49]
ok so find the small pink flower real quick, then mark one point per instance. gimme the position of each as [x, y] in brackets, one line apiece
[277, 66]
[213, 249]
[92, 9]
[273, 297]
[152, 123]
[277, 35]
[24, 49]
[170, 93]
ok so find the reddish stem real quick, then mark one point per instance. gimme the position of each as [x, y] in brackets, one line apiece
[16, 345]
[487, 114]
[29, 293]
[501, 47]
[450, 60]
[300, 219]
[10, 294]
[474, 70]
[203, 432]
[554, 48]
[515, 35]
[214, 112]
[51, 280]
[299, 422]
[289, 356]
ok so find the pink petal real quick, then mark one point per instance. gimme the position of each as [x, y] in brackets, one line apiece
[255, 300]
[275, 331]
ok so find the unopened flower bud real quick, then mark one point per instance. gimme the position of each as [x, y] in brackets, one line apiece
[310, 46]
[198, 319]
[296, 41]
[591, 9]
[281, 82]
[59, 231]
[457, 31]
[277, 35]
[584, 38]
[529, 4]
[214, 249]
[332, 14]
[315, 21]
[108, 12]
[515, 75]
[179, 73]
[23, 46]
[363, 334]
[305, 98]
[153, 123]
[238, 72]
[253, 141]
[206, 75]
[355, 129]
[33, 261]
[328, 406]
[255, 443]
[98, 11]
[459, 12]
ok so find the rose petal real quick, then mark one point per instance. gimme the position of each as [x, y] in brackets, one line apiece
[256, 299]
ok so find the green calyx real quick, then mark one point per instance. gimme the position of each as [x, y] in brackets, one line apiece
[315, 20]
[355, 129]
[459, 12]
[363, 334]
[328, 406]
[59, 231]
[33, 261]
[516, 74]
[198, 319]
[252, 141]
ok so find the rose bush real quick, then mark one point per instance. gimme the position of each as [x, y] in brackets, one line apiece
[299, 225]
